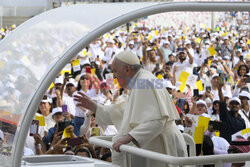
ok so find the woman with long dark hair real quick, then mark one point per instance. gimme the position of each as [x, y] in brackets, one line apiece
[215, 115]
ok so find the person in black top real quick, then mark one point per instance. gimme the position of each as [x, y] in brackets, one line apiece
[234, 122]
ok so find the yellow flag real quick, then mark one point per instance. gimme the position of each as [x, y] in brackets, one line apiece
[208, 29]
[84, 52]
[106, 36]
[159, 76]
[231, 80]
[135, 24]
[76, 62]
[217, 133]
[199, 135]
[96, 131]
[199, 85]
[245, 131]
[51, 85]
[93, 71]
[212, 51]
[182, 86]
[183, 77]
[224, 34]
[209, 62]
[150, 37]
[248, 42]
[156, 33]
[203, 122]
[66, 134]
[198, 40]
[41, 120]
[2, 29]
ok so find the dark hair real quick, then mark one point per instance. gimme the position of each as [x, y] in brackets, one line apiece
[207, 146]
[243, 65]
[105, 156]
[79, 87]
[83, 150]
[215, 102]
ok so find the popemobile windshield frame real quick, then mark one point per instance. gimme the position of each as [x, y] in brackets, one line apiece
[36, 51]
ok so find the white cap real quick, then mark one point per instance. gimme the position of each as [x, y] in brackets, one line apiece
[225, 38]
[49, 100]
[59, 80]
[227, 94]
[201, 102]
[56, 110]
[235, 99]
[215, 75]
[166, 42]
[226, 57]
[71, 81]
[168, 84]
[207, 42]
[111, 41]
[245, 94]
[149, 49]
[187, 42]
[131, 43]
[243, 45]
[128, 58]
[208, 101]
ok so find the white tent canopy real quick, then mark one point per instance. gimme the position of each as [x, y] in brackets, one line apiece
[33, 54]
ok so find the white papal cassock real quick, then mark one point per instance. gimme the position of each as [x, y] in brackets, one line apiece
[148, 115]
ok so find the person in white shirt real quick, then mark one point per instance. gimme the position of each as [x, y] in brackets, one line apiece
[110, 50]
[96, 48]
[85, 86]
[68, 97]
[150, 58]
[244, 97]
[183, 64]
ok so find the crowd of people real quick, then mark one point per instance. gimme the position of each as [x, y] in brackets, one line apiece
[205, 71]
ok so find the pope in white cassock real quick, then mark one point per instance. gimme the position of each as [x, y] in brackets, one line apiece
[145, 118]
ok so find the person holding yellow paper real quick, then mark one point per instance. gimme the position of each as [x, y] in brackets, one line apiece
[183, 64]
[146, 118]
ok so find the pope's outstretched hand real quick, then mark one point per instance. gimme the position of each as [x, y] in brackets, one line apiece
[85, 101]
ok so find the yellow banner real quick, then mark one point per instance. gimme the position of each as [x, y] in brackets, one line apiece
[199, 85]
[41, 120]
[212, 51]
[76, 62]
[183, 77]
[198, 40]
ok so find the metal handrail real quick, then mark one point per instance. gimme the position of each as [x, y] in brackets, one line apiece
[218, 160]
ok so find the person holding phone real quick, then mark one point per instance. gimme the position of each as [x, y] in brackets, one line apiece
[146, 118]
[59, 118]
[150, 57]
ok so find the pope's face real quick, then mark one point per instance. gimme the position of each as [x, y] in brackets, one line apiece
[119, 72]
